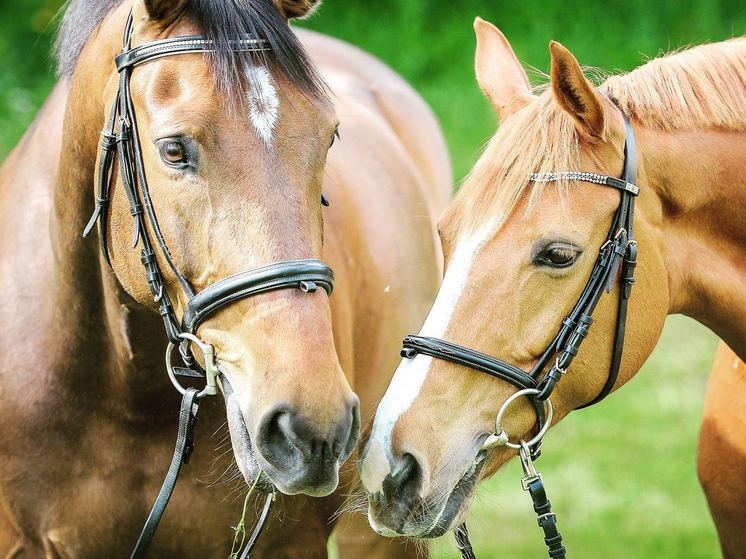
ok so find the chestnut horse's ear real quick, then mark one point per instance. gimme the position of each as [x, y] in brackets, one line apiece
[501, 77]
[164, 10]
[575, 93]
[297, 8]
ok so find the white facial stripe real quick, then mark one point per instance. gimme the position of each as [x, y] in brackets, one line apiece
[263, 102]
[411, 373]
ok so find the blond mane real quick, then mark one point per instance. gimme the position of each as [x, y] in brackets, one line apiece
[703, 87]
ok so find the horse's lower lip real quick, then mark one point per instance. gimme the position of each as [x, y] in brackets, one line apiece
[460, 494]
[243, 449]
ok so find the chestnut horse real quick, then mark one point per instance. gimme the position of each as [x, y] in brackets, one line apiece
[235, 153]
[519, 252]
[721, 461]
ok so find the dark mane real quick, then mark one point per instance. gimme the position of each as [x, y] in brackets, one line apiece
[221, 21]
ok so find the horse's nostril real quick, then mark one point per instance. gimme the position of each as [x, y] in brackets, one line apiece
[349, 433]
[282, 436]
[406, 479]
[288, 440]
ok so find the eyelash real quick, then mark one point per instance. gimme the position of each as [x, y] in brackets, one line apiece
[335, 137]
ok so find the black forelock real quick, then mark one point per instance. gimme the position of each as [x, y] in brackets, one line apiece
[221, 21]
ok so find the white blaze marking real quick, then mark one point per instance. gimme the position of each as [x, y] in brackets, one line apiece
[411, 373]
[263, 102]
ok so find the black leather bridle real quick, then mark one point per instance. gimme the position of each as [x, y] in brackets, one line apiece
[120, 140]
[618, 252]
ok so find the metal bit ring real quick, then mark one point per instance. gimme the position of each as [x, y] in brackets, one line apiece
[501, 438]
[211, 369]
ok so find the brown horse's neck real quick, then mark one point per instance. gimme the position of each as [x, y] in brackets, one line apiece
[108, 328]
[698, 177]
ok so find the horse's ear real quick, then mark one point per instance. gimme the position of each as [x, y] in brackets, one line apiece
[164, 10]
[501, 77]
[574, 92]
[297, 8]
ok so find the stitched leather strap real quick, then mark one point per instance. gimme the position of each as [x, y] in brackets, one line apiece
[460, 355]
[182, 453]
[628, 266]
[546, 518]
[441, 349]
[302, 274]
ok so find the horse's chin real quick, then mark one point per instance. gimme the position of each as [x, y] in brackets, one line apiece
[450, 513]
[456, 506]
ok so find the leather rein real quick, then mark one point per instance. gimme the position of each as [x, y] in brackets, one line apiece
[619, 252]
[120, 140]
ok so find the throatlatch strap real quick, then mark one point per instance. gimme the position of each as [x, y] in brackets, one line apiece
[182, 452]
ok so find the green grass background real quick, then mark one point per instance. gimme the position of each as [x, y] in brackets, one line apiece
[621, 475]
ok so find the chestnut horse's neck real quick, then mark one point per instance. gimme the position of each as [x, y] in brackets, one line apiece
[698, 178]
[91, 302]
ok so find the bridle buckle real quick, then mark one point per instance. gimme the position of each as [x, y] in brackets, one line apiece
[559, 367]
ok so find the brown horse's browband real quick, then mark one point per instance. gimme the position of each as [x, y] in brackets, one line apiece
[305, 275]
[619, 251]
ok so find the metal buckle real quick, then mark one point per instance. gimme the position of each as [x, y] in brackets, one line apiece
[558, 367]
[546, 515]
[501, 438]
[211, 369]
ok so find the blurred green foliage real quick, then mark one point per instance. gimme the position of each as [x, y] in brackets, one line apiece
[431, 43]
[621, 474]
[26, 74]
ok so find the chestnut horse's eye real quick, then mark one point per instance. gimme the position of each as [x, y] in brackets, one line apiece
[558, 255]
[173, 152]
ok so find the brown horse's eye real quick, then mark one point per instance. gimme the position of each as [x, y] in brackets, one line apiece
[558, 255]
[173, 152]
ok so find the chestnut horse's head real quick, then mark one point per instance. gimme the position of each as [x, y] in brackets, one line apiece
[518, 254]
[234, 145]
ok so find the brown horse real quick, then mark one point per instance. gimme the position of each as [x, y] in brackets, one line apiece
[519, 252]
[236, 158]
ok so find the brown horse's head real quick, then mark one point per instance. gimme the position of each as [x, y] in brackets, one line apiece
[518, 255]
[234, 147]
